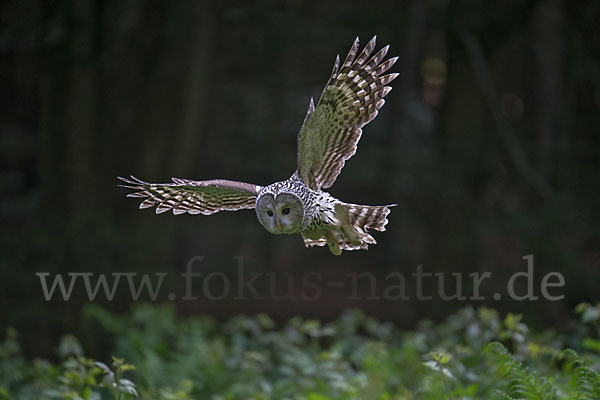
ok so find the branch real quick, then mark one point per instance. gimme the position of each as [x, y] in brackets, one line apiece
[505, 129]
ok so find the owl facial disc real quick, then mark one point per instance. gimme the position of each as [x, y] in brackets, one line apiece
[281, 213]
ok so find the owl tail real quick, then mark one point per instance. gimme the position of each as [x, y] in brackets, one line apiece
[350, 231]
[355, 221]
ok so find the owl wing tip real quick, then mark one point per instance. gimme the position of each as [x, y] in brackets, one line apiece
[122, 179]
[132, 180]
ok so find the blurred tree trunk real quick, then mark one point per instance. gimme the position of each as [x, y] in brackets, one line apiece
[195, 93]
[548, 58]
[412, 50]
[68, 108]
[407, 100]
[81, 112]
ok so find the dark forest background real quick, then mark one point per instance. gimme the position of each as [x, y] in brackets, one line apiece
[488, 142]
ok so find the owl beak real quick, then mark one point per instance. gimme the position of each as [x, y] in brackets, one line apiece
[278, 225]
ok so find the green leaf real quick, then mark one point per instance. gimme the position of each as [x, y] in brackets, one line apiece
[591, 344]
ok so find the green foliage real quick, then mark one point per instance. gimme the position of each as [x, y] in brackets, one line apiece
[587, 380]
[353, 357]
[75, 377]
[523, 383]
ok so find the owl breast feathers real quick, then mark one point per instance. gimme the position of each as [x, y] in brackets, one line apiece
[328, 137]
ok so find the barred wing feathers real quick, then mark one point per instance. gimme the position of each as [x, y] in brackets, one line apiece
[194, 197]
[351, 99]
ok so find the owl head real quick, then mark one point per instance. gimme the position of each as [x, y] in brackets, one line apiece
[280, 213]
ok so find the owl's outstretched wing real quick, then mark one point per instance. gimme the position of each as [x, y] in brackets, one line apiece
[194, 197]
[351, 99]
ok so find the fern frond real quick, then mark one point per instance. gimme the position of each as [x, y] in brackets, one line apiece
[587, 380]
[523, 383]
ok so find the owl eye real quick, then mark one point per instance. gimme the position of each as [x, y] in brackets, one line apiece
[285, 211]
[269, 213]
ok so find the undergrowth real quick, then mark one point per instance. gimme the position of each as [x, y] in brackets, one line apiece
[474, 354]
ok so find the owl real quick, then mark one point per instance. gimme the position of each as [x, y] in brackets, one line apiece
[328, 137]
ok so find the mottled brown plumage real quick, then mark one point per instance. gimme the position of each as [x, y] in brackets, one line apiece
[351, 99]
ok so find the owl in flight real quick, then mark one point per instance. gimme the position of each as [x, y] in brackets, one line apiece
[327, 138]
